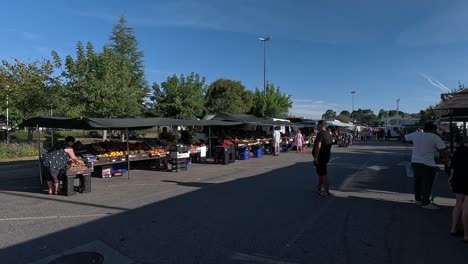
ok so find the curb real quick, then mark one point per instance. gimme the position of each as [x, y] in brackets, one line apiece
[17, 161]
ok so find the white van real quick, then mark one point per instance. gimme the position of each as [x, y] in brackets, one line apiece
[394, 130]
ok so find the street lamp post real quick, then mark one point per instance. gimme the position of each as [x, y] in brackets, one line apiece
[353, 92]
[7, 117]
[264, 40]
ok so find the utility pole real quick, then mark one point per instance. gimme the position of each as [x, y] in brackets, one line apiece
[352, 108]
[264, 40]
[398, 110]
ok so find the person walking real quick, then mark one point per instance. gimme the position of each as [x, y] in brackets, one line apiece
[299, 141]
[459, 181]
[425, 145]
[276, 142]
[321, 153]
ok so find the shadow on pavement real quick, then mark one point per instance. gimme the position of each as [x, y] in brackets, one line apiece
[275, 216]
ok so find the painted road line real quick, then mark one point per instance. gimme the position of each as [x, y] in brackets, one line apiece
[53, 217]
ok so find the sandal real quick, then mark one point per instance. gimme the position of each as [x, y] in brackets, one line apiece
[50, 192]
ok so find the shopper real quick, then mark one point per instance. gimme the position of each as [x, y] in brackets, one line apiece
[321, 153]
[459, 182]
[56, 160]
[276, 141]
[425, 145]
[299, 141]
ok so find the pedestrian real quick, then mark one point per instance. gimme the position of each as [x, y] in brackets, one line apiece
[321, 153]
[56, 160]
[425, 145]
[389, 134]
[276, 141]
[459, 183]
[299, 141]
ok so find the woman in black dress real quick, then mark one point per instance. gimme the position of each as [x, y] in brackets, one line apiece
[459, 181]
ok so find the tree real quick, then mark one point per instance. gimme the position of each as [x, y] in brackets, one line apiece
[382, 114]
[329, 114]
[31, 87]
[110, 83]
[274, 104]
[180, 97]
[364, 117]
[345, 113]
[343, 118]
[428, 115]
[124, 43]
[229, 97]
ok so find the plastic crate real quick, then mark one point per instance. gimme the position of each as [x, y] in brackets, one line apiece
[258, 153]
[244, 155]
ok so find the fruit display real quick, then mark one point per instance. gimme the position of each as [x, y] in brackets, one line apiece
[157, 152]
[75, 167]
[226, 143]
[112, 154]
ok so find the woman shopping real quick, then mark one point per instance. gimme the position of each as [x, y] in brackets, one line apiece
[56, 160]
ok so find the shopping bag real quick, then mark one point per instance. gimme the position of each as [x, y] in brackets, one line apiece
[409, 170]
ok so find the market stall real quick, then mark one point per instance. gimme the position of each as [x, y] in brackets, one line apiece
[454, 109]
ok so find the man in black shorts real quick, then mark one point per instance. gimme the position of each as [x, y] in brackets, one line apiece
[321, 153]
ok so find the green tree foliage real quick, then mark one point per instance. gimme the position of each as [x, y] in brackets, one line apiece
[382, 114]
[180, 97]
[364, 117]
[343, 118]
[428, 115]
[31, 87]
[345, 113]
[124, 43]
[110, 83]
[329, 114]
[229, 97]
[273, 104]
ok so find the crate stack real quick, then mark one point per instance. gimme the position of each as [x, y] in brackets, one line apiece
[179, 160]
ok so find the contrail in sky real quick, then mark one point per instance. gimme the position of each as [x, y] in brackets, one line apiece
[435, 83]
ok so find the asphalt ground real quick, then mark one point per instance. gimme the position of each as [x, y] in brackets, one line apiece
[256, 211]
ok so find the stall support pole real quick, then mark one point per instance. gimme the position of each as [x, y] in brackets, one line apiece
[209, 141]
[464, 129]
[451, 135]
[39, 152]
[128, 151]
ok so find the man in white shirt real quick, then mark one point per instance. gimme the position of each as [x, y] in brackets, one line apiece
[425, 145]
[276, 141]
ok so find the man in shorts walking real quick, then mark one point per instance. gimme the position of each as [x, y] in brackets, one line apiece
[321, 153]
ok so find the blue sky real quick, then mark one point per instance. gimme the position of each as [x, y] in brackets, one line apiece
[320, 51]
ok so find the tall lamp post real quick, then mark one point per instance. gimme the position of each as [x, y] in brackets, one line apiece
[7, 117]
[352, 95]
[264, 40]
